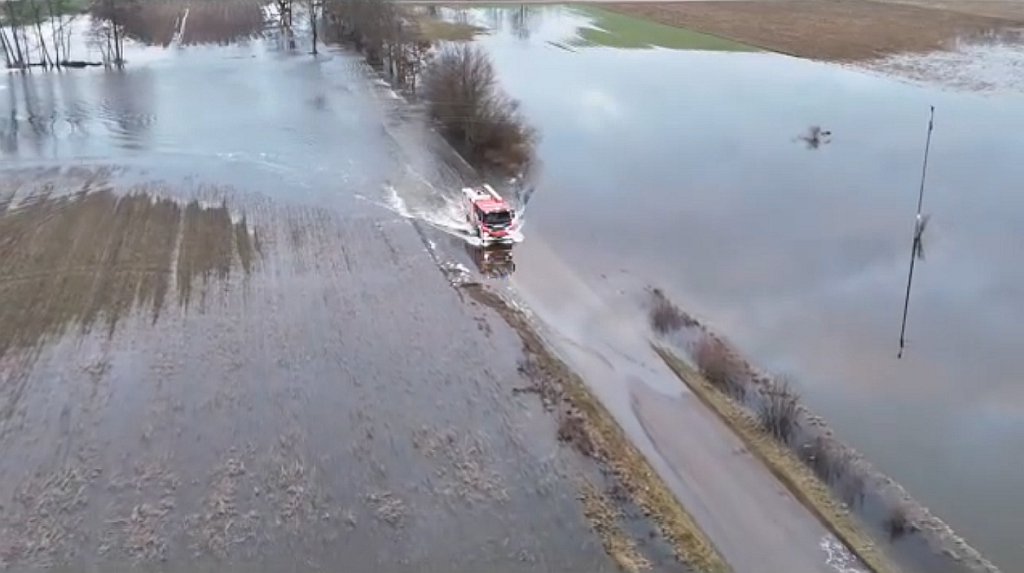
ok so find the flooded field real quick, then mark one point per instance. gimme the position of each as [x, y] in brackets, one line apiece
[691, 171]
[221, 351]
[241, 329]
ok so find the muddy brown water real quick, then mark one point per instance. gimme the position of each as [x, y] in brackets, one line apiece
[685, 170]
[220, 352]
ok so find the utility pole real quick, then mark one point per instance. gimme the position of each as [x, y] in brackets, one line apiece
[920, 221]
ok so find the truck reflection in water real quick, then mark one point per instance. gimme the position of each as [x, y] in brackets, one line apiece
[494, 261]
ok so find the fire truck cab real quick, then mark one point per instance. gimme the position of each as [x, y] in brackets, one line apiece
[490, 216]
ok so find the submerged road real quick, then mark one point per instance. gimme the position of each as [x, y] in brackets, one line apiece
[751, 518]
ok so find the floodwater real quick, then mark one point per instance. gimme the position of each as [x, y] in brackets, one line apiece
[221, 350]
[688, 170]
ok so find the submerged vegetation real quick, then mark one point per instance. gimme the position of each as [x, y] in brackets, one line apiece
[861, 506]
[478, 118]
[385, 36]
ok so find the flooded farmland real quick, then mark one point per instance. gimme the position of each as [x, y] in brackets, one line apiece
[221, 351]
[690, 171]
[238, 333]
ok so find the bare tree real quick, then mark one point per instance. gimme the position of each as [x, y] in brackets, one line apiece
[285, 9]
[37, 19]
[418, 54]
[315, 9]
[60, 35]
[8, 56]
[477, 117]
[16, 57]
[721, 366]
[778, 412]
[112, 14]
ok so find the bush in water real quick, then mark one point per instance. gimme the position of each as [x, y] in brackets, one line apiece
[721, 367]
[666, 317]
[482, 122]
[778, 410]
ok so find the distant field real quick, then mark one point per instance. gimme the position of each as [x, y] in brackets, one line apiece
[162, 22]
[841, 31]
[1011, 9]
[621, 31]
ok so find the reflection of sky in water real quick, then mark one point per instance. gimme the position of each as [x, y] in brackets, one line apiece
[684, 169]
[245, 114]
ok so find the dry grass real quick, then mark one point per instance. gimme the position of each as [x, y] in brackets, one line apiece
[603, 518]
[46, 519]
[144, 508]
[1008, 9]
[841, 31]
[801, 481]
[80, 260]
[208, 246]
[592, 430]
[665, 316]
[778, 410]
[433, 29]
[89, 258]
[466, 472]
[388, 508]
[223, 21]
[161, 22]
[220, 525]
[720, 366]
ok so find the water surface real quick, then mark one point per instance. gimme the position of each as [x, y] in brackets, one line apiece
[685, 169]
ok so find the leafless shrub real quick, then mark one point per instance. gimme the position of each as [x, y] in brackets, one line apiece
[572, 429]
[666, 317]
[899, 522]
[720, 366]
[830, 463]
[388, 508]
[385, 36]
[481, 121]
[853, 486]
[110, 17]
[365, 23]
[778, 410]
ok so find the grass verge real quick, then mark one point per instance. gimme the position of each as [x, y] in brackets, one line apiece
[603, 518]
[591, 429]
[784, 464]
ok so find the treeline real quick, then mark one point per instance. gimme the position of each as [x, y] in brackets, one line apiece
[477, 117]
[386, 38]
[38, 33]
[458, 82]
